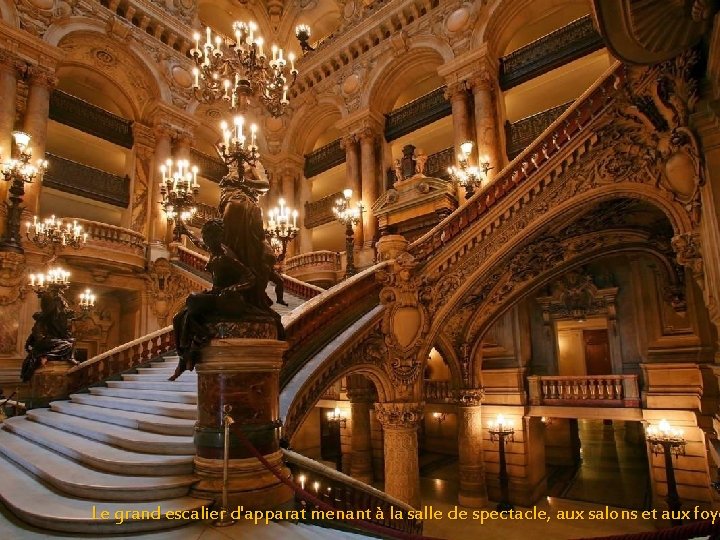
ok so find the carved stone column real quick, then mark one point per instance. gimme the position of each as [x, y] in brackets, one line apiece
[37, 111]
[242, 372]
[400, 422]
[361, 466]
[352, 175]
[158, 221]
[458, 96]
[486, 126]
[368, 140]
[473, 492]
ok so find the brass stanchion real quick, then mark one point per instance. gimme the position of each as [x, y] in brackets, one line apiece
[225, 518]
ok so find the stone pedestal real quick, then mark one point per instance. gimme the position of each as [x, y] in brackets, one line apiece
[49, 383]
[390, 246]
[244, 374]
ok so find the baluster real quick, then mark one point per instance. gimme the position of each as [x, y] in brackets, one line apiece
[576, 389]
[584, 388]
[591, 384]
[618, 389]
[610, 389]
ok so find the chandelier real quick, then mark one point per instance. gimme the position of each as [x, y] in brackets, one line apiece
[178, 189]
[52, 231]
[87, 300]
[469, 177]
[235, 70]
[56, 279]
[235, 147]
[279, 231]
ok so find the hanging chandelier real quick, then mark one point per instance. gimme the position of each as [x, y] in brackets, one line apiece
[178, 189]
[279, 230]
[52, 231]
[468, 176]
[236, 70]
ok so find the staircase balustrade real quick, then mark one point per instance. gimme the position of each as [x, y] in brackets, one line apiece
[120, 237]
[590, 390]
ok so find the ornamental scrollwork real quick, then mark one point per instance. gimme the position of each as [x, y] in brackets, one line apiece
[399, 415]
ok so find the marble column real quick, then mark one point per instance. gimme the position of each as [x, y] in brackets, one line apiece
[486, 125]
[352, 176]
[9, 65]
[35, 124]
[400, 423]
[369, 183]
[159, 229]
[473, 491]
[240, 375]
[458, 96]
[304, 238]
[361, 466]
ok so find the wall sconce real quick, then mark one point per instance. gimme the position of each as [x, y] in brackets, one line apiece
[547, 421]
[440, 417]
[337, 416]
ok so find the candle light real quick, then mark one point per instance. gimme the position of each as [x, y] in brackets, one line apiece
[295, 215]
[260, 42]
[208, 43]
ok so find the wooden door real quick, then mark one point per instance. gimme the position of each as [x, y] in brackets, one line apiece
[597, 352]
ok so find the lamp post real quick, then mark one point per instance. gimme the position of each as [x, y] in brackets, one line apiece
[178, 188]
[281, 228]
[18, 172]
[468, 176]
[669, 441]
[348, 216]
[501, 431]
[337, 417]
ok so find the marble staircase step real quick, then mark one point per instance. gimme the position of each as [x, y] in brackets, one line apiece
[163, 364]
[170, 386]
[30, 500]
[98, 455]
[158, 395]
[131, 419]
[187, 377]
[122, 437]
[78, 480]
[160, 408]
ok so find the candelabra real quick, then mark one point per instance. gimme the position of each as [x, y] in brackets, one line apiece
[348, 216]
[53, 232]
[235, 70]
[87, 300]
[18, 171]
[666, 440]
[236, 150]
[55, 280]
[501, 431]
[302, 32]
[178, 189]
[279, 231]
[469, 177]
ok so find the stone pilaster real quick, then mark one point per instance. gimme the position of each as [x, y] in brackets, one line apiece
[400, 422]
[244, 375]
[159, 229]
[142, 179]
[353, 181]
[473, 491]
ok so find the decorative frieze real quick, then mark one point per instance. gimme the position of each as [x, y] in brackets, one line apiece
[400, 415]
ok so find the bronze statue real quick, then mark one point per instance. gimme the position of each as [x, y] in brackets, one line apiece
[51, 337]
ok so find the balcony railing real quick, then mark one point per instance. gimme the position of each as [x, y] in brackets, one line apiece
[553, 50]
[118, 237]
[319, 267]
[320, 212]
[438, 391]
[324, 158]
[79, 114]
[520, 134]
[78, 179]
[209, 167]
[584, 391]
[203, 213]
[416, 114]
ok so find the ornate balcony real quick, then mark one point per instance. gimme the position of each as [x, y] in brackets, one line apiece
[520, 134]
[78, 179]
[584, 391]
[324, 158]
[416, 114]
[209, 167]
[124, 247]
[320, 212]
[564, 45]
[79, 114]
[321, 268]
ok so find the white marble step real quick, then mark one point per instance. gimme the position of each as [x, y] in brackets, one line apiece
[79, 481]
[135, 420]
[31, 501]
[122, 437]
[98, 455]
[168, 386]
[156, 370]
[159, 408]
[186, 377]
[157, 395]
[163, 364]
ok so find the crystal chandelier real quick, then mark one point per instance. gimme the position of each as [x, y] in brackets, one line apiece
[235, 148]
[52, 231]
[55, 279]
[235, 70]
[178, 189]
[87, 300]
[469, 177]
[18, 171]
[279, 230]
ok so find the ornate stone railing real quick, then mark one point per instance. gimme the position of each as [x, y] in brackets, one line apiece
[321, 267]
[438, 163]
[561, 134]
[72, 177]
[345, 493]
[209, 167]
[120, 359]
[519, 135]
[320, 212]
[324, 158]
[203, 213]
[588, 391]
[79, 114]
[572, 41]
[438, 391]
[418, 113]
[112, 236]
[298, 288]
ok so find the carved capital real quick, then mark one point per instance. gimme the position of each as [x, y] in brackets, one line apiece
[399, 415]
[42, 76]
[349, 142]
[144, 137]
[10, 63]
[367, 135]
[481, 81]
[456, 91]
[469, 397]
